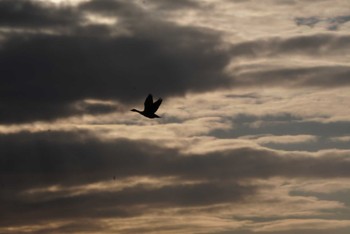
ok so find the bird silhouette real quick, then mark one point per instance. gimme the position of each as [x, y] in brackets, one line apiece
[150, 107]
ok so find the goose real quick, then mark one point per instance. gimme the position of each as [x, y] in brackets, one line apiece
[150, 107]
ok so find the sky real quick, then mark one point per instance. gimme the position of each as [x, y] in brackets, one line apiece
[254, 134]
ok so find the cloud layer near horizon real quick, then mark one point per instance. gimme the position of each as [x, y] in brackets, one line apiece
[57, 171]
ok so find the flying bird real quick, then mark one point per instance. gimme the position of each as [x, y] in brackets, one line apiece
[150, 107]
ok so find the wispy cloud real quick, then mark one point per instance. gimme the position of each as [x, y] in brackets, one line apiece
[332, 23]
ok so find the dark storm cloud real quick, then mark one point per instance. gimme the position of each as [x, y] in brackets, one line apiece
[44, 74]
[31, 14]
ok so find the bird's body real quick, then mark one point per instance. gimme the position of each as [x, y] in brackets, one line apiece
[150, 107]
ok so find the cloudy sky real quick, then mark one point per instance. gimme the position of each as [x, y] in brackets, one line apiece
[255, 130]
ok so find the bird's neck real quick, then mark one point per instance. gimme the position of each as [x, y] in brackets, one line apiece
[137, 111]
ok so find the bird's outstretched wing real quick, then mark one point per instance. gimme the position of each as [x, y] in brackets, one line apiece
[148, 102]
[156, 105]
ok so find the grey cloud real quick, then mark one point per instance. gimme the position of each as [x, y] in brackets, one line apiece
[96, 108]
[44, 74]
[34, 160]
[336, 22]
[66, 159]
[127, 10]
[287, 124]
[243, 96]
[308, 21]
[61, 155]
[176, 5]
[110, 7]
[333, 23]
[126, 203]
[317, 76]
[320, 143]
[80, 225]
[304, 231]
[31, 14]
[318, 44]
[291, 76]
[51, 158]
